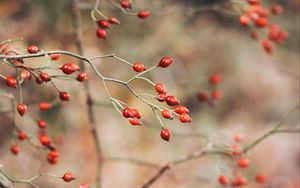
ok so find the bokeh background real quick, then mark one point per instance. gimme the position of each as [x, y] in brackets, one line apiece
[258, 90]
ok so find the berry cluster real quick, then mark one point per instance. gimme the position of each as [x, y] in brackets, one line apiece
[257, 16]
[216, 94]
[237, 179]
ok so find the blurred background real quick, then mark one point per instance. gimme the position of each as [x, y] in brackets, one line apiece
[258, 90]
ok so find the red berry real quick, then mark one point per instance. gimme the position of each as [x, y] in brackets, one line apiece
[64, 96]
[134, 121]
[171, 100]
[25, 74]
[11, 82]
[32, 49]
[167, 114]
[236, 150]
[238, 138]
[126, 4]
[135, 113]
[261, 22]
[113, 20]
[216, 94]
[276, 9]
[42, 124]
[68, 68]
[165, 62]
[143, 14]
[39, 80]
[181, 110]
[44, 106]
[45, 140]
[15, 149]
[22, 135]
[55, 57]
[139, 67]
[202, 97]
[161, 97]
[185, 118]
[45, 76]
[239, 181]
[127, 113]
[243, 162]
[84, 186]
[68, 176]
[53, 157]
[254, 2]
[82, 77]
[101, 33]
[260, 178]
[21, 108]
[267, 46]
[244, 20]
[215, 79]
[104, 24]
[223, 180]
[165, 134]
[160, 88]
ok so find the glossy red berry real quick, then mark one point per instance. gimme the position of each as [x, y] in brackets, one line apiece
[43, 106]
[52, 157]
[135, 113]
[143, 14]
[134, 121]
[216, 94]
[165, 62]
[21, 108]
[64, 96]
[202, 97]
[22, 135]
[244, 20]
[101, 33]
[167, 114]
[171, 100]
[161, 97]
[185, 118]
[243, 162]
[127, 113]
[41, 124]
[45, 140]
[55, 57]
[32, 49]
[261, 22]
[165, 134]
[68, 176]
[223, 180]
[104, 24]
[45, 76]
[260, 178]
[160, 88]
[215, 79]
[82, 77]
[11, 82]
[126, 4]
[68, 68]
[181, 110]
[113, 20]
[139, 67]
[267, 46]
[15, 149]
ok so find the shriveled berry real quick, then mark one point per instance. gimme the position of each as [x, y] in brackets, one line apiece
[139, 67]
[21, 108]
[11, 82]
[127, 113]
[165, 62]
[202, 97]
[43, 106]
[113, 20]
[68, 176]
[104, 24]
[160, 88]
[185, 118]
[167, 114]
[165, 134]
[254, 35]
[82, 77]
[134, 121]
[171, 100]
[15, 149]
[223, 180]
[64, 96]
[181, 110]
[22, 135]
[143, 14]
[32, 49]
[101, 33]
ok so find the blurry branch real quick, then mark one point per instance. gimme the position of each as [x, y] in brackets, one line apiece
[132, 161]
[274, 130]
[76, 22]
